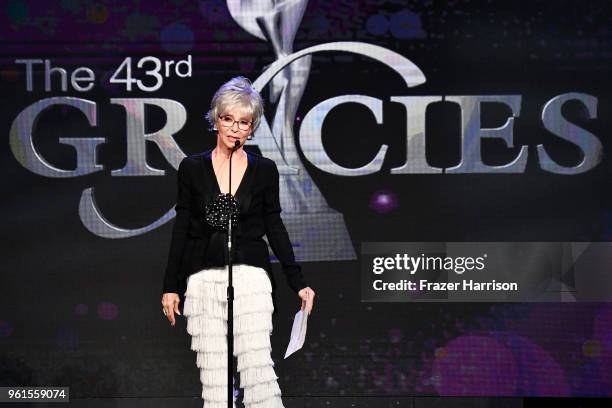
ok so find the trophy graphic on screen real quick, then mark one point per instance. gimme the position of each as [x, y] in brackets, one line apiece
[318, 231]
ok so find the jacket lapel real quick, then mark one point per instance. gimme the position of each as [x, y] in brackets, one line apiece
[244, 193]
[209, 175]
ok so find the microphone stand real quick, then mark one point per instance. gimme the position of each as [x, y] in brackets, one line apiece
[230, 296]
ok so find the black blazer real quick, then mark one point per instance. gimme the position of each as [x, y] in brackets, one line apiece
[196, 245]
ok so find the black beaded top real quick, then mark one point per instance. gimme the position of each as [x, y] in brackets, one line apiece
[218, 210]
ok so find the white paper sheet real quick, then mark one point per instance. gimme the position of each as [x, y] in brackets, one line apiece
[298, 333]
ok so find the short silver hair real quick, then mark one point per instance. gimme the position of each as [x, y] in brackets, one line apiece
[238, 92]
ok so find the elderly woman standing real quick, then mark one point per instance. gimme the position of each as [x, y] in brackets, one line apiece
[197, 273]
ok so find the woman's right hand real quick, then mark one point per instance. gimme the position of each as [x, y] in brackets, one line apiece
[170, 303]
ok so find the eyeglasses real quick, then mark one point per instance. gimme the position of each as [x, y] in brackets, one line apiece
[228, 121]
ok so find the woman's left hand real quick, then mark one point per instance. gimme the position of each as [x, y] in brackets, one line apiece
[307, 295]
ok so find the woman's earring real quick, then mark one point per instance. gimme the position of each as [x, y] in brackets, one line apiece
[250, 137]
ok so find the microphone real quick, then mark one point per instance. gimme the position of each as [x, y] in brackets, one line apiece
[236, 145]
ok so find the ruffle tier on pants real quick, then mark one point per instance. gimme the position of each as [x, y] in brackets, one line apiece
[206, 312]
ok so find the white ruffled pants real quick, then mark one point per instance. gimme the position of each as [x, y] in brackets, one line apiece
[206, 312]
